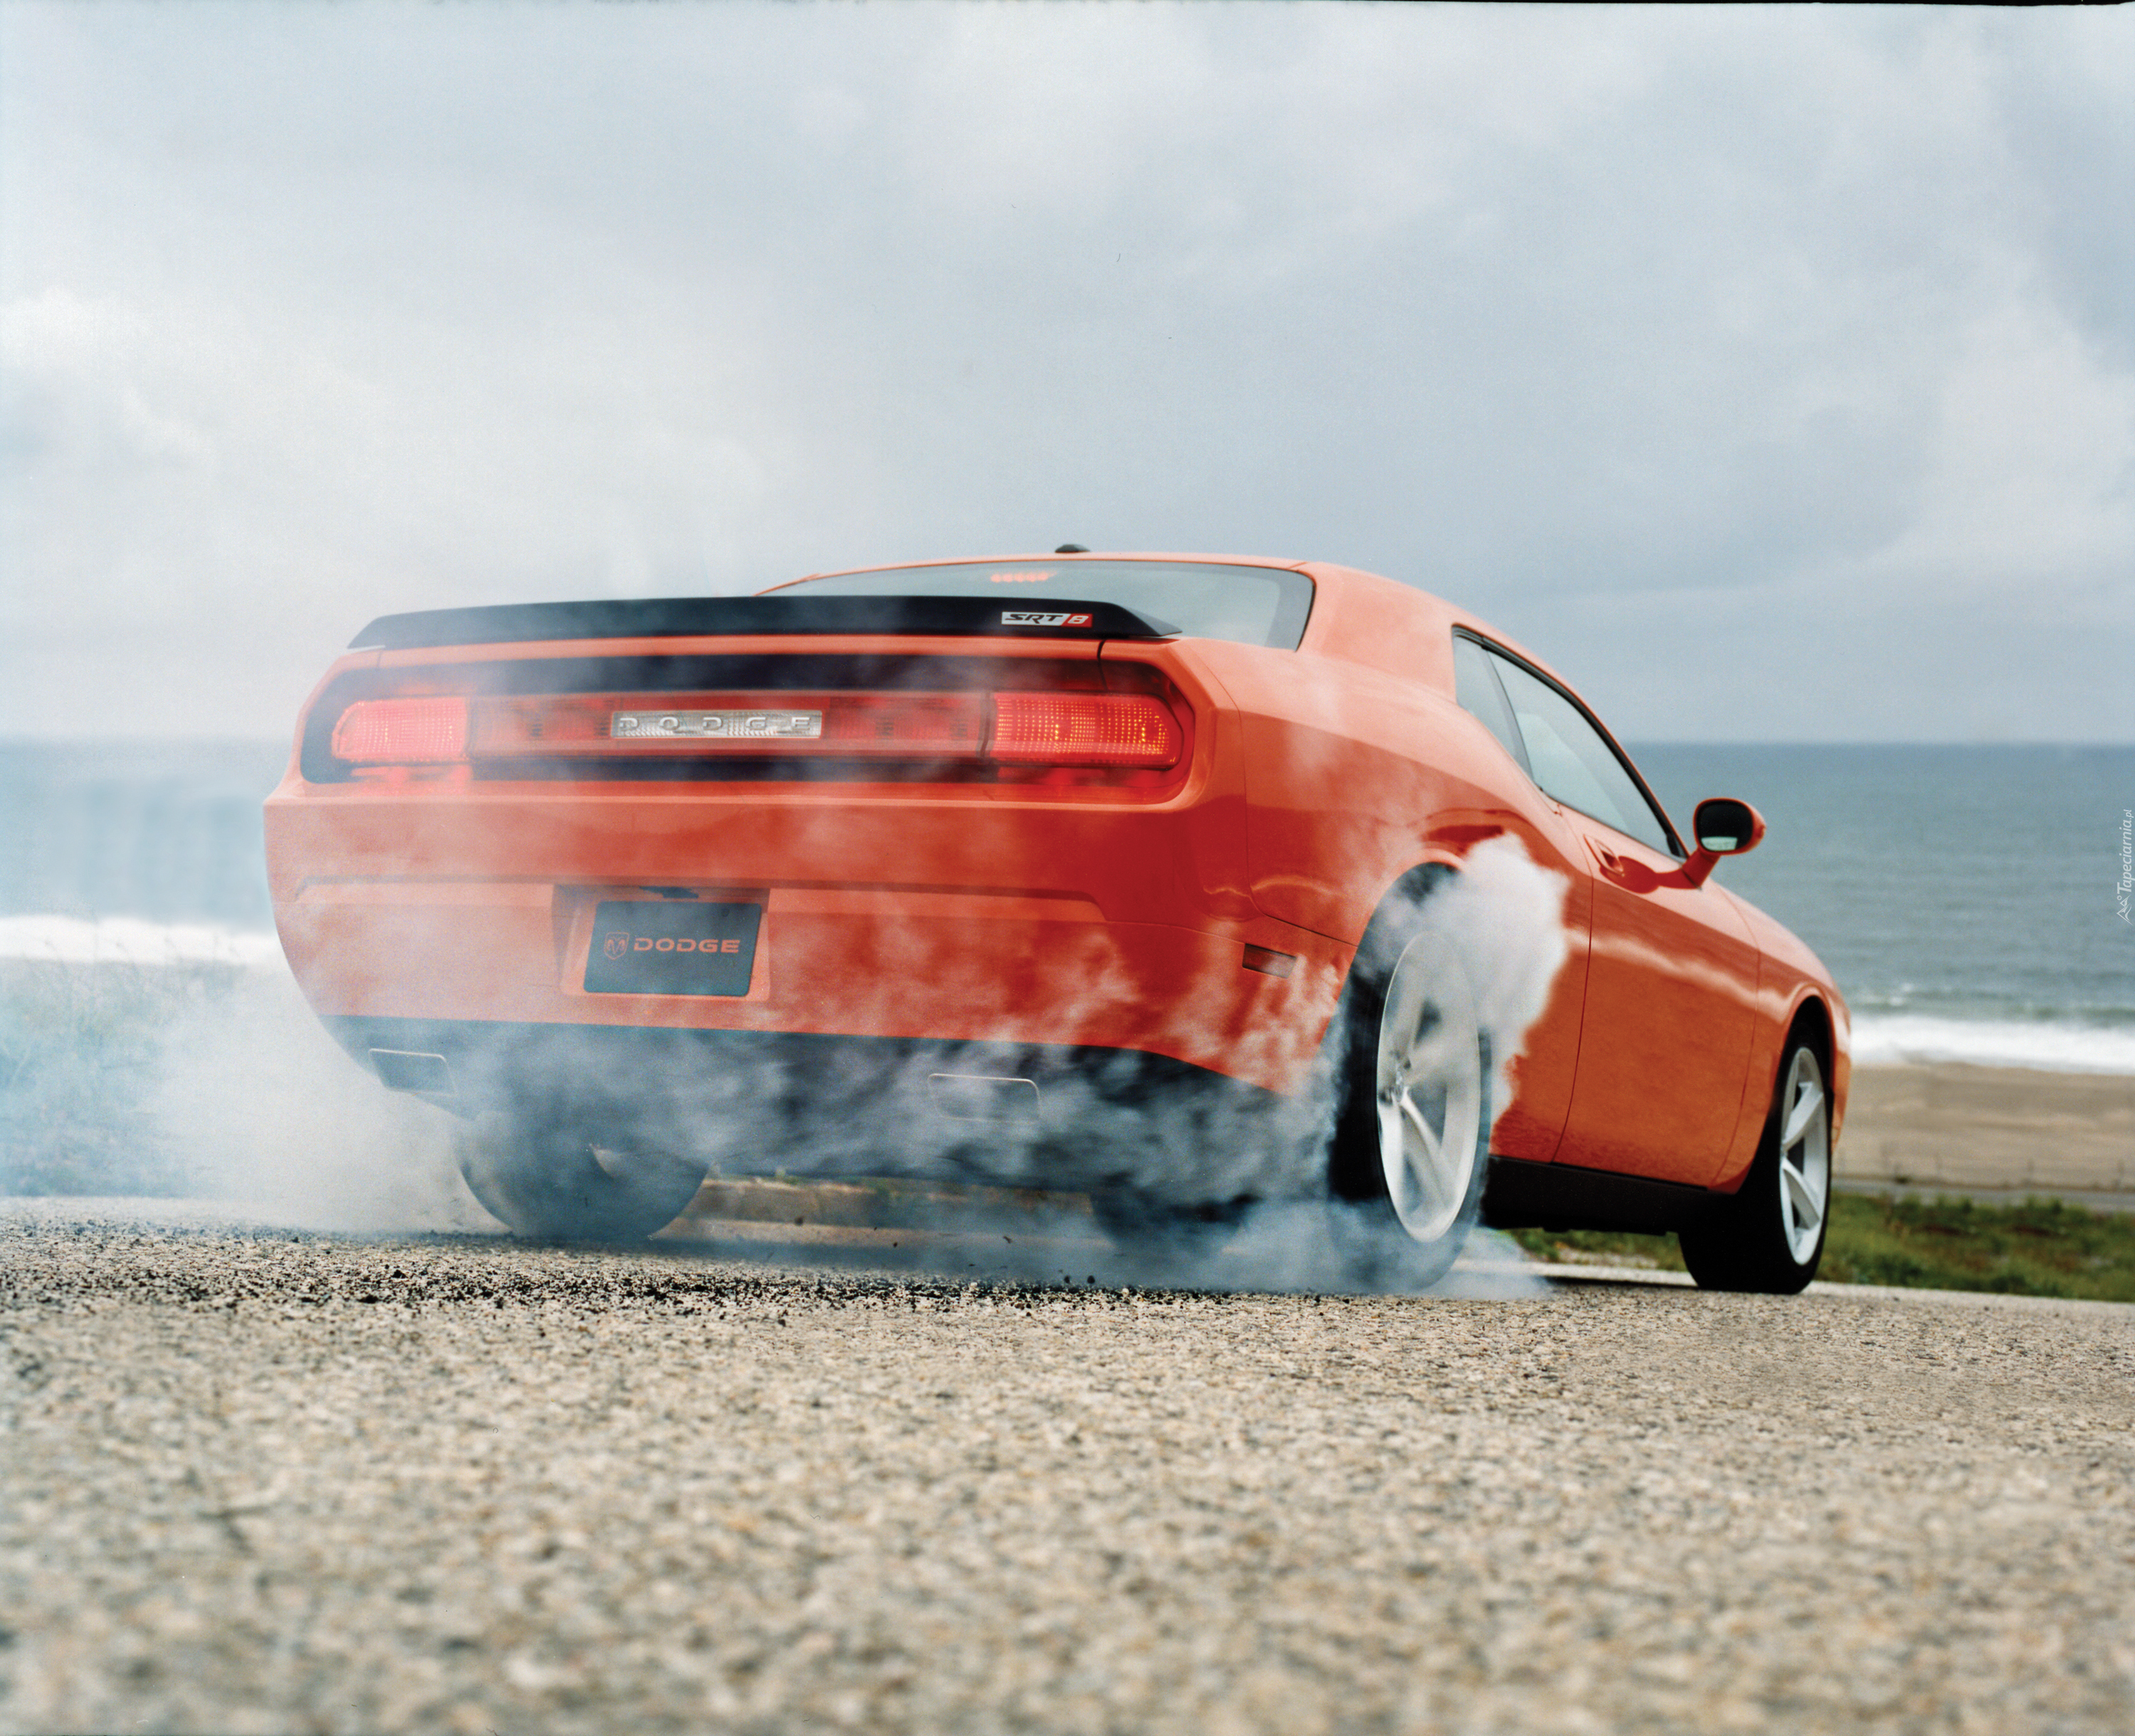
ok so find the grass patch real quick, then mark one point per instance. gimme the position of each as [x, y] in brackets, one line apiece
[1600, 1247]
[2041, 1247]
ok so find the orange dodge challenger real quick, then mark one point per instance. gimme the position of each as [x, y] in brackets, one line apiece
[1160, 878]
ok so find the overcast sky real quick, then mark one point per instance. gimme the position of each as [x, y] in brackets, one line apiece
[1772, 373]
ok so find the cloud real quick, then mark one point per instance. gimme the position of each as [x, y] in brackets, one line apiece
[1653, 336]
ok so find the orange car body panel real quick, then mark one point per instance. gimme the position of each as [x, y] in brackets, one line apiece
[1083, 915]
[1671, 1004]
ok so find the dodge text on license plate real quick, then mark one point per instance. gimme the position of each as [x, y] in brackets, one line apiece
[672, 948]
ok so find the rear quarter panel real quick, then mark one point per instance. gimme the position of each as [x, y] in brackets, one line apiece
[1359, 763]
[1359, 766]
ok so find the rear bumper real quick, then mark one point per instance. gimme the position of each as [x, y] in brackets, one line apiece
[906, 915]
[949, 967]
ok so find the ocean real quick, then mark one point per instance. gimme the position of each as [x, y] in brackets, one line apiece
[1964, 897]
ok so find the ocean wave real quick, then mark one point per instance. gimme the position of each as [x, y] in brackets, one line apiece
[1884, 1040]
[130, 940]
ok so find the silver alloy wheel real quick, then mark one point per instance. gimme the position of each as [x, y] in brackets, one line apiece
[1430, 1088]
[1805, 1156]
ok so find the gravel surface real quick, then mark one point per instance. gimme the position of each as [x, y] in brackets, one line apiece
[260, 1480]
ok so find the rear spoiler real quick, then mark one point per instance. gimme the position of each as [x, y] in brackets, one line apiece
[661, 617]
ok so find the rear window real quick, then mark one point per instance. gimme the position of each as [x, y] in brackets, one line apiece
[1248, 605]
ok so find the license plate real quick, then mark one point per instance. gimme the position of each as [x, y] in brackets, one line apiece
[672, 948]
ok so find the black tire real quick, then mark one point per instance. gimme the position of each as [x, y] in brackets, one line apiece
[552, 1182]
[1768, 1237]
[1415, 1201]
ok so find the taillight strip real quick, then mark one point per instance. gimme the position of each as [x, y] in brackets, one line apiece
[1118, 730]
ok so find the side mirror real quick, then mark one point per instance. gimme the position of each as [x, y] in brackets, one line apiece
[1722, 827]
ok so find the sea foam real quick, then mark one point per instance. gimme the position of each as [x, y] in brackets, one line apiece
[1894, 1039]
[128, 940]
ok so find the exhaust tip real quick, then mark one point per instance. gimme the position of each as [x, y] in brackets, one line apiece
[983, 1097]
[403, 1069]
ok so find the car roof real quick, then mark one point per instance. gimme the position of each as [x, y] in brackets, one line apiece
[1284, 564]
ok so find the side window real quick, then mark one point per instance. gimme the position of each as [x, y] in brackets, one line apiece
[1572, 762]
[1480, 696]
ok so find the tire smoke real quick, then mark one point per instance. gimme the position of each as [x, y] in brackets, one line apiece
[1503, 916]
[243, 1097]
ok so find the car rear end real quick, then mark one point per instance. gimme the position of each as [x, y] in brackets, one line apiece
[811, 881]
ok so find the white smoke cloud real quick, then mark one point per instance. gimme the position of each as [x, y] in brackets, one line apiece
[258, 1107]
[1503, 916]
[214, 1068]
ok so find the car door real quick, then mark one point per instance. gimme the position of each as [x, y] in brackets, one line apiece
[1671, 968]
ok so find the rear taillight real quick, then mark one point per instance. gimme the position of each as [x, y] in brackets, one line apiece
[1084, 729]
[1029, 731]
[402, 732]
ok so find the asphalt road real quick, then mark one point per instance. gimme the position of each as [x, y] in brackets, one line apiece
[256, 1481]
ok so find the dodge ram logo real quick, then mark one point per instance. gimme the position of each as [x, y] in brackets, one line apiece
[615, 945]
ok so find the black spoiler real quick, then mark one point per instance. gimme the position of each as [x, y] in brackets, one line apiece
[662, 617]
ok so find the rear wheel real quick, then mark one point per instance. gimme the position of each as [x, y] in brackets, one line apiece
[1769, 1237]
[1412, 1124]
[553, 1182]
